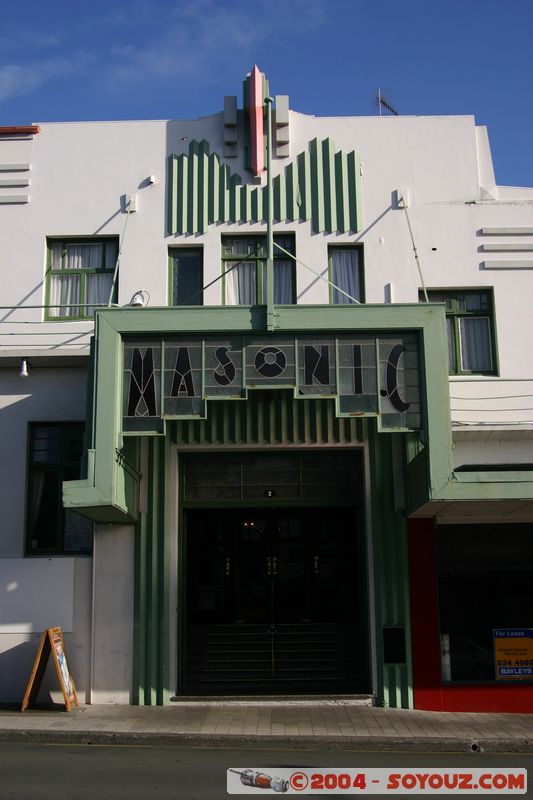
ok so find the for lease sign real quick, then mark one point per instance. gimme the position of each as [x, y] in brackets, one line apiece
[513, 653]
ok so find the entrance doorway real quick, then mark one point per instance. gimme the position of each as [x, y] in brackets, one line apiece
[276, 601]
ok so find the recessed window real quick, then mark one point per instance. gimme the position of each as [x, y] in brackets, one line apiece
[244, 268]
[186, 276]
[55, 453]
[345, 274]
[79, 276]
[485, 580]
[470, 326]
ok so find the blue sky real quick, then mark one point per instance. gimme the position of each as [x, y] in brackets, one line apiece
[161, 59]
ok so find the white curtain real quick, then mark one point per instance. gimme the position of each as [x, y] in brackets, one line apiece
[240, 283]
[64, 289]
[345, 275]
[83, 256]
[475, 344]
[283, 294]
[98, 288]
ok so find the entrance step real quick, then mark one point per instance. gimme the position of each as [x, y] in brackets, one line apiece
[275, 700]
[247, 659]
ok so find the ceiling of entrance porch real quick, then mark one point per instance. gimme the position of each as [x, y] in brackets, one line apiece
[451, 512]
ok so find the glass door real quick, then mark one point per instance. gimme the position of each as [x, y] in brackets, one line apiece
[272, 567]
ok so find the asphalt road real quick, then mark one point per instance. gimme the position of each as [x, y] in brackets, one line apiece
[113, 772]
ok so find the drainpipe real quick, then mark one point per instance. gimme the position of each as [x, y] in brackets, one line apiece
[270, 230]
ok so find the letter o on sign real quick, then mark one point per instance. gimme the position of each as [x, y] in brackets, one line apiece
[270, 362]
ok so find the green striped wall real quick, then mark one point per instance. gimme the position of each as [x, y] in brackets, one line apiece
[391, 575]
[152, 683]
[265, 421]
[321, 185]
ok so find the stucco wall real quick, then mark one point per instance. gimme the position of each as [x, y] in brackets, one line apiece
[61, 586]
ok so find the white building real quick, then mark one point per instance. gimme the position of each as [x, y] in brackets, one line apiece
[275, 470]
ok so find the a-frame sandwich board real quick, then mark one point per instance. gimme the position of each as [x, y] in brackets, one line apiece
[51, 642]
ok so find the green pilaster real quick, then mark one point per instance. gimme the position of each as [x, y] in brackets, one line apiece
[203, 190]
[354, 201]
[391, 579]
[292, 191]
[341, 185]
[304, 181]
[317, 186]
[152, 619]
[213, 190]
[328, 168]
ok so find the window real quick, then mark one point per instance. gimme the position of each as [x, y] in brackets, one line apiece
[345, 273]
[80, 276]
[469, 320]
[55, 453]
[485, 581]
[186, 276]
[245, 258]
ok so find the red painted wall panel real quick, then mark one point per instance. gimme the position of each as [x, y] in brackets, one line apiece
[429, 692]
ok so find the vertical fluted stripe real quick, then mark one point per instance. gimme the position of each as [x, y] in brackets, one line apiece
[321, 186]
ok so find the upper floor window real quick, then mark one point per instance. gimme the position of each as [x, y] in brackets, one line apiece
[79, 276]
[244, 267]
[55, 453]
[470, 325]
[186, 276]
[345, 267]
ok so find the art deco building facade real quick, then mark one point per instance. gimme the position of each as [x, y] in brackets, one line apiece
[266, 408]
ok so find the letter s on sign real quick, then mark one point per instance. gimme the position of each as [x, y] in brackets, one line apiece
[394, 781]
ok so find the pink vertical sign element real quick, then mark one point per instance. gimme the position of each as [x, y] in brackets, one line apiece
[257, 159]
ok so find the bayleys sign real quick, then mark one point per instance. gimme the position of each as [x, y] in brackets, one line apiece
[173, 377]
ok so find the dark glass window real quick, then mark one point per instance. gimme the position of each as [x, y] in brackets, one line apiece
[246, 477]
[55, 454]
[186, 274]
[485, 579]
[470, 325]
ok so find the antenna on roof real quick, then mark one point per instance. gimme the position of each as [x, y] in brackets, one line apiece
[383, 103]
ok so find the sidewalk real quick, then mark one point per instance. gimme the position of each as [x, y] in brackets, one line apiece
[320, 725]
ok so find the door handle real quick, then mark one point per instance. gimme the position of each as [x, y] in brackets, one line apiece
[316, 565]
[227, 568]
[274, 566]
[269, 565]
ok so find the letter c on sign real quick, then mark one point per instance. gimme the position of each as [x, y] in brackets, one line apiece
[392, 377]
[299, 781]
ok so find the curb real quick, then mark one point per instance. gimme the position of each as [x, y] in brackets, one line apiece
[360, 743]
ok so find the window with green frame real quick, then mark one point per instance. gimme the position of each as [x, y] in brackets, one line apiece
[470, 325]
[79, 276]
[186, 276]
[346, 274]
[55, 453]
[244, 268]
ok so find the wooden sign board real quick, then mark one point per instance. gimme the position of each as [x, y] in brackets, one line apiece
[51, 642]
